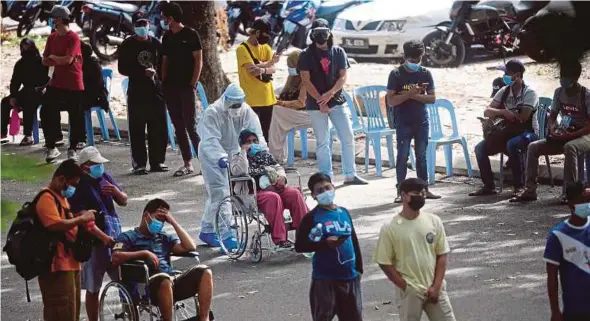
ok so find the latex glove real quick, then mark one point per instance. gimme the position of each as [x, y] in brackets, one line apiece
[223, 162]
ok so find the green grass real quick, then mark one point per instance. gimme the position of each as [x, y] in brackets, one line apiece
[8, 213]
[9, 39]
[23, 168]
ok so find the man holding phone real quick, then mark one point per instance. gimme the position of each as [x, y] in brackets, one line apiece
[409, 88]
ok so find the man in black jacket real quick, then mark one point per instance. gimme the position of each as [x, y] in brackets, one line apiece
[337, 263]
[140, 60]
[29, 73]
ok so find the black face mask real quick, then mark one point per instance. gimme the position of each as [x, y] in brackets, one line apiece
[416, 202]
[27, 53]
[321, 38]
[262, 39]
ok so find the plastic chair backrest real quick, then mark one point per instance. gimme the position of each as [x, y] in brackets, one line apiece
[124, 86]
[202, 96]
[107, 77]
[543, 110]
[354, 114]
[371, 100]
[435, 122]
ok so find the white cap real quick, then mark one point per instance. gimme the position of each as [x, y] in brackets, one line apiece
[91, 154]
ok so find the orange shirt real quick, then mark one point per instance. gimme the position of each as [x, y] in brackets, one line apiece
[48, 215]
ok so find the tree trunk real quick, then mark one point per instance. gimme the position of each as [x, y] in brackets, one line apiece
[200, 15]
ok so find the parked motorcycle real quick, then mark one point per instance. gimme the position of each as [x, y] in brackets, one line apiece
[13, 9]
[241, 15]
[482, 24]
[108, 23]
[40, 10]
[297, 18]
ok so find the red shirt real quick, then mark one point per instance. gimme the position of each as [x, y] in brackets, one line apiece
[70, 76]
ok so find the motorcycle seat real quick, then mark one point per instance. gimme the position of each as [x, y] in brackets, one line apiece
[526, 9]
[125, 7]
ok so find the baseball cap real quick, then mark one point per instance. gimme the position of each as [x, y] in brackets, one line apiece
[140, 22]
[91, 154]
[60, 12]
[513, 65]
[320, 24]
[261, 25]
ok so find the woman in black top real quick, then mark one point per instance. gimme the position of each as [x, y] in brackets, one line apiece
[26, 86]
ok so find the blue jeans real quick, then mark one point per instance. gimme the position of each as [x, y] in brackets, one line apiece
[343, 127]
[516, 148]
[405, 133]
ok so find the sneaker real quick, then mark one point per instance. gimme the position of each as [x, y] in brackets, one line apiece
[51, 155]
[210, 239]
[398, 199]
[517, 191]
[356, 181]
[72, 154]
[484, 191]
[285, 245]
[525, 196]
[431, 196]
[27, 141]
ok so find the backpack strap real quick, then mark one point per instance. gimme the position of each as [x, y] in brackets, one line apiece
[256, 61]
[505, 96]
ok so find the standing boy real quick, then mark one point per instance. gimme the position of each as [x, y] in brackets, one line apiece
[412, 252]
[567, 254]
[337, 264]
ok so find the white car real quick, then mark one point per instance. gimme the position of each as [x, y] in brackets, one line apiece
[379, 29]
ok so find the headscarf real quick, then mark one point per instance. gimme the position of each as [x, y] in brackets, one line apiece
[244, 134]
[34, 52]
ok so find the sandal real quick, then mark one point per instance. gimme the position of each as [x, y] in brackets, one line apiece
[183, 171]
[27, 141]
[484, 191]
[159, 168]
[140, 171]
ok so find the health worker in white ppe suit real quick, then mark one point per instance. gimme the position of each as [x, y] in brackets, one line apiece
[219, 128]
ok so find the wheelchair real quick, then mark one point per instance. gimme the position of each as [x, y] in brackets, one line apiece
[117, 302]
[242, 216]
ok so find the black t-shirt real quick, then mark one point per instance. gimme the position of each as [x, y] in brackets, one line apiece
[135, 56]
[179, 48]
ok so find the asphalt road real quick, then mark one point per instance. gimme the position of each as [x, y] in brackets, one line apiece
[495, 270]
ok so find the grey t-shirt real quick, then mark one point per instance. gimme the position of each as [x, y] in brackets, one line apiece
[526, 96]
[572, 105]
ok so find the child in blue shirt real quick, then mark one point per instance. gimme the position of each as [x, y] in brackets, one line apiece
[337, 264]
[567, 254]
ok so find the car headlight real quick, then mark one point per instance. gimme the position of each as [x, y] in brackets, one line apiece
[391, 26]
[339, 24]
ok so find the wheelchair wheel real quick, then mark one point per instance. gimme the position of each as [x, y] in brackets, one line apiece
[116, 304]
[256, 247]
[186, 310]
[236, 223]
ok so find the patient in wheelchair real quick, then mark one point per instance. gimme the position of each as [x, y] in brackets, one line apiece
[150, 244]
[273, 194]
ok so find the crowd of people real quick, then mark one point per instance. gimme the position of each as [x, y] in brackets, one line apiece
[230, 137]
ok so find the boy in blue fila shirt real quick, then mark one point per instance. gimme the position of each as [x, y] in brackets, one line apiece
[337, 264]
[567, 254]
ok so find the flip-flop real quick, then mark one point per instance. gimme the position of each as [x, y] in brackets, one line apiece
[140, 171]
[183, 171]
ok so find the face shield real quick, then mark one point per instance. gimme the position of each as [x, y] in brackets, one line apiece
[233, 99]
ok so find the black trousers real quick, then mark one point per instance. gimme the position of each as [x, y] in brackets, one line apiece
[54, 101]
[151, 113]
[336, 298]
[265, 115]
[27, 100]
[182, 105]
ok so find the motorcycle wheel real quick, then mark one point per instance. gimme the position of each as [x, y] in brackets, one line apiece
[438, 56]
[100, 42]
[27, 22]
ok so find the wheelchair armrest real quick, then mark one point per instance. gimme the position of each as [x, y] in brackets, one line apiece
[291, 170]
[193, 254]
[242, 178]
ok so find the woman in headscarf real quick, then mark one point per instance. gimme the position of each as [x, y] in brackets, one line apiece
[26, 88]
[273, 194]
[289, 112]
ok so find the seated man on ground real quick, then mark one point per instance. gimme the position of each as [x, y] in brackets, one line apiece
[515, 104]
[571, 136]
[148, 242]
[273, 194]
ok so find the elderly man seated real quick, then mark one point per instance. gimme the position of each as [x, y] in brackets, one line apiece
[273, 194]
[148, 242]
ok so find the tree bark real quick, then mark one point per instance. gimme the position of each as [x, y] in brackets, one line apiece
[200, 15]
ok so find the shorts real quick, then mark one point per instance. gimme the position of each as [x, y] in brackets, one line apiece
[184, 285]
[336, 298]
[61, 295]
[93, 270]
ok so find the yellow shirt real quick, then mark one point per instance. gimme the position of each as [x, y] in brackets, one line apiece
[258, 93]
[411, 246]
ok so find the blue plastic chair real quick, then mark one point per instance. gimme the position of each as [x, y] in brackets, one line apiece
[107, 76]
[375, 125]
[437, 138]
[202, 96]
[124, 86]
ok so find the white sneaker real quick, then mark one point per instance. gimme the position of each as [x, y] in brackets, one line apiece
[72, 154]
[51, 155]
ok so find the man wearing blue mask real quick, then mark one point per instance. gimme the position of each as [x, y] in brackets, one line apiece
[140, 59]
[149, 243]
[570, 136]
[567, 255]
[98, 191]
[409, 88]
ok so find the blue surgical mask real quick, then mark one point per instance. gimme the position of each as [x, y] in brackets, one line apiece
[69, 191]
[254, 149]
[155, 226]
[566, 83]
[326, 198]
[293, 72]
[412, 66]
[164, 25]
[96, 171]
[50, 23]
[507, 80]
[141, 31]
[582, 210]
